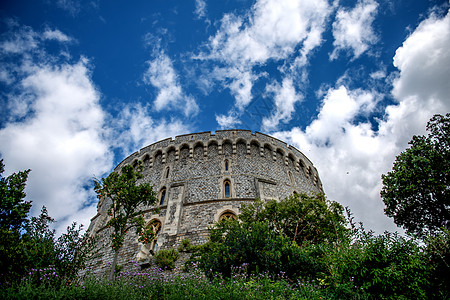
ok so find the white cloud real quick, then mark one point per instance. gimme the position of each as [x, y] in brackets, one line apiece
[272, 30]
[73, 7]
[227, 121]
[348, 153]
[200, 8]
[350, 157]
[352, 29]
[162, 75]
[285, 98]
[423, 61]
[138, 129]
[56, 35]
[18, 39]
[240, 83]
[61, 141]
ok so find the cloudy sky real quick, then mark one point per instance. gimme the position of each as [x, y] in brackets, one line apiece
[83, 84]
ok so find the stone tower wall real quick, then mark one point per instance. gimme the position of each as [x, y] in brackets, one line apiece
[191, 169]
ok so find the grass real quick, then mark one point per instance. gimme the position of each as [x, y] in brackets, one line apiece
[154, 283]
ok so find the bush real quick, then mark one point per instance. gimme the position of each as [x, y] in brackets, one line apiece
[166, 258]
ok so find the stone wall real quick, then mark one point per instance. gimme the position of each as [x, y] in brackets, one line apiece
[193, 171]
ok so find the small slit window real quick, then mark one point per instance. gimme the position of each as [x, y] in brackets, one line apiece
[167, 173]
[226, 165]
[291, 178]
[162, 196]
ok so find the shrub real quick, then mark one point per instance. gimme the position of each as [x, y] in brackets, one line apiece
[166, 258]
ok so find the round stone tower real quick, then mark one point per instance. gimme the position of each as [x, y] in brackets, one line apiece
[202, 178]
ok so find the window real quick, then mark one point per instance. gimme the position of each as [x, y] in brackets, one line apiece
[291, 178]
[227, 189]
[167, 172]
[227, 216]
[226, 165]
[162, 196]
[156, 228]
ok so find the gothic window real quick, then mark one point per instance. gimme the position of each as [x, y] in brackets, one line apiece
[156, 228]
[227, 188]
[228, 215]
[226, 165]
[162, 196]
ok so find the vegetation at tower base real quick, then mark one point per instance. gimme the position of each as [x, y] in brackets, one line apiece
[417, 190]
[29, 246]
[301, 218]
[126, 196]
[345, 264]
[251, 259]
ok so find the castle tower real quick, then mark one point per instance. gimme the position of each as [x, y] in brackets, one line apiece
[201, 178]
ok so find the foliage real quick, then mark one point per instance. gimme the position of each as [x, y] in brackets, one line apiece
[73, 250]
[28, 246]
[13, 209]
[417, 190]
[38, 241]
[301, 218]
[353, 264]
[258, 248]
[166, 258]
[437, 251]
[13, 218]
[126, 197]
[154, 283]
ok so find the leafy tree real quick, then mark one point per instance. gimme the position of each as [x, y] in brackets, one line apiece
[417, 190]
[73, 250]
[126, 197]
[276, 237]
[13, 218]
[13, 208]
[38, 242]
[301, 218]
[252, 248]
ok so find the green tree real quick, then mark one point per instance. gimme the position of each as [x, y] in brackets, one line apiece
[13, 218]
[278, 237]
[417, 190]
[126, 197]
[301, 218]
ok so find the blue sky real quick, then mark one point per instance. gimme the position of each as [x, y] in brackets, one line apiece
[83, 84]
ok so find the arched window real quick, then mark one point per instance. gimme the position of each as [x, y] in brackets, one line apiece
[156, 228]
[227, 189]
[162, 196]
[226, 165]
[228, 215]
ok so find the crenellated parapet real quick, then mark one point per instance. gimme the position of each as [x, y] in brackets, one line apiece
[201, 178]
[220, 138]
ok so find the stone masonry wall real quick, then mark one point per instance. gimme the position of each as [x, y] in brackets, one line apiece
[193, 170]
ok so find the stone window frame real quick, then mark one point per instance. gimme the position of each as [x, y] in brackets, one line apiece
[226, 194]
[167, 173]
[227, 215]
[227, 165]
[225, 209]
[162, 197]
[221, 183]
[291, 178]
[156, 225]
